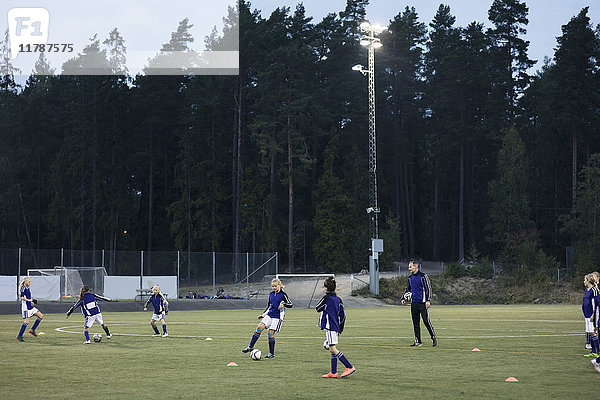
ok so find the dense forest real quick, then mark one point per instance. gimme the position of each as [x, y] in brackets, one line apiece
[477, 156]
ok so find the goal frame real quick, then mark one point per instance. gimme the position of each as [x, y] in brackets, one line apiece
[279, 276]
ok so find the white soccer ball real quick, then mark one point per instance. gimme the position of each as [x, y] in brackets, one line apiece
[256, 354]
[326, 345]
[407, 297]
[97, 337]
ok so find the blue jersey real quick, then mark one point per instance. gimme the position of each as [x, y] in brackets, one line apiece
[159, 302]
[590, 302]
[332, 312]
[26, 305]
[420, 287]
[275, 299]
[89, 305]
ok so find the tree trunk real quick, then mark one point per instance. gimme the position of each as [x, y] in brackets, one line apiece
[94, 171]
[574, 181]
[290, 202]
[409, 216]
[238, 183]
[404, 210]
[471, 197]
[150, 202]
[436, 222]
[461, 234]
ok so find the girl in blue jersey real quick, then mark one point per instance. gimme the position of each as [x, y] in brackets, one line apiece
[332, 321]
[160, 304]
[28, 308]
[588, 344]
[91, 311]
[589, 308]
[272, 317]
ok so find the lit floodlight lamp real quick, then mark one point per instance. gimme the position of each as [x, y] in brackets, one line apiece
[370, 210]
[364, 41]
[357, 67]
[378, 28]
[365, 26]
[377, 44]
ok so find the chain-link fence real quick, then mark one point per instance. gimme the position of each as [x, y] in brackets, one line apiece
[200, 274]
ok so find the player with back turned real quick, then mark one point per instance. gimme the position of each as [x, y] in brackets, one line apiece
[332, 320]
[420, 288]
[90, 310]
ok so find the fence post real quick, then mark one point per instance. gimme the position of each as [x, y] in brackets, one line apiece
[276, 263]
[178, 262]
[141, 268]
[247, 276]
[62, 258]
[214, 273]
[103, 266]
[19, 267]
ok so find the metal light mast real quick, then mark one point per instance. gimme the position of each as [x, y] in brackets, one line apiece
[372, 43]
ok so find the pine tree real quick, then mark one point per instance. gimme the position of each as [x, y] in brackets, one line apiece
[399, 135]
[577, 98]
[509, 58]
[510, 212]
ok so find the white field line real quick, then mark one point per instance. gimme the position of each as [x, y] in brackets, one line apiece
[67, 329]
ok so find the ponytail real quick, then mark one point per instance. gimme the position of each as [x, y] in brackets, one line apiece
[84, 289]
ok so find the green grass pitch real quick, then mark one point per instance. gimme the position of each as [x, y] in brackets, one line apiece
[542, 346]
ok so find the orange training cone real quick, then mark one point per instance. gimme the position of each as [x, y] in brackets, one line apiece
[475, 349]
[511, 379]
[232, 364]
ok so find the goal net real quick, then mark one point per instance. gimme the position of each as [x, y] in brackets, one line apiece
[73, 278]
[304, 290]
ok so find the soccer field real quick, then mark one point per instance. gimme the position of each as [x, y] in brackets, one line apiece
[542, 346]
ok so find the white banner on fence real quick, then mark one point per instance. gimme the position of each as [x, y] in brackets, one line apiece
[168, 284]
[45, 287]
[8, 288]
[121, 287]
[126, 287]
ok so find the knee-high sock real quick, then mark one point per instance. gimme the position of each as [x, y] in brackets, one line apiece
[255, 337]
[23, 327]
[36, 323]
[595, 344]
[333, 364]
[155, 329]
[87, 335]
[271, 344]
[164, 328]
[340, 356]
[105, 327]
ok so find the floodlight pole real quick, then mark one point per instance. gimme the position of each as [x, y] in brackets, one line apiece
[372, 42]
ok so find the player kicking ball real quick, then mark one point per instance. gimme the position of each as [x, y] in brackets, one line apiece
[272, 317]
[90, 311]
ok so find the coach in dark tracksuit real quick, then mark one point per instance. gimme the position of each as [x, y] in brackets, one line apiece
[418, 284]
